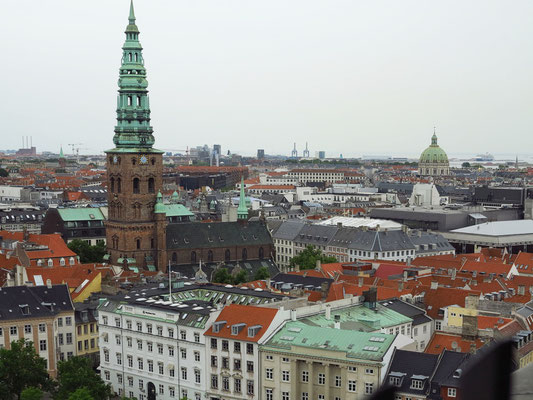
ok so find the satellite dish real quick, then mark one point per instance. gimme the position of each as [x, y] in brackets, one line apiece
[454, 345]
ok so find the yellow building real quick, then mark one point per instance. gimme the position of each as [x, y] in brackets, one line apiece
[87, 331]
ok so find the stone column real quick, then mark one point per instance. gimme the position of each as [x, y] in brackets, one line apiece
[310, 384]
[344, 381]
[328, 380]
[294, 377]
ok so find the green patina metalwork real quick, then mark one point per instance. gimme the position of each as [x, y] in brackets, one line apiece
[434, 153]
[133, 132]
[242, 210]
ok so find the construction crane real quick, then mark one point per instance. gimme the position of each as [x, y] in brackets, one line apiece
[76, 150]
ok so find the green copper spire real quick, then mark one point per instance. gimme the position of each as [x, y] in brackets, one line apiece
[242, 211]
[61, 155]
[159, 206]
[133, 132]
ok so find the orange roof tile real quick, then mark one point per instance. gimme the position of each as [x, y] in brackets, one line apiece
[448, 341]
[250, 315]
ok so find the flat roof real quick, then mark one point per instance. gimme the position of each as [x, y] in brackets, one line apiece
[360, 222]
[499, 228]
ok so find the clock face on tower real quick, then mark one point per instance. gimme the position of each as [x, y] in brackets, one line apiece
[144, 159]
[115, 159]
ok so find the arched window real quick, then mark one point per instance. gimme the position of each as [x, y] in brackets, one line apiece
[136, 57]
[71, 261]
[129, 57]
[136, 185]
[62, 261]
[129, 101]
[193, 257]
[133, 161]
[227, 255]
[112, 184]
[210, 256]
[152, 243]
[152, 161]
[174, 257]
[244, 254]
[261, 253]
[138, 243]
[50, 262]
[119, 185]
[138, 101]
[151, 185]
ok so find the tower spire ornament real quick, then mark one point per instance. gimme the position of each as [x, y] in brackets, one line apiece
[242, 210]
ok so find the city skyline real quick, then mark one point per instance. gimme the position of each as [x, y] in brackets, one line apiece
[295, 76]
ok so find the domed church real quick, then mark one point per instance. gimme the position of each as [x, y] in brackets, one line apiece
[433, 161]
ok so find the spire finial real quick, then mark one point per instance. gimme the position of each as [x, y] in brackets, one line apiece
[132, 13]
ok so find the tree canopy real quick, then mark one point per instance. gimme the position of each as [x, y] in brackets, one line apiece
[75, 374]
[3, 173]
[222, 275]
[88, 253]
[31, 393]
[21, 368]
[262, 273]
[307, 259]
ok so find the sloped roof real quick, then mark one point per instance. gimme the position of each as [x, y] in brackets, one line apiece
[239, 314]
[408, 364]
[80, 214]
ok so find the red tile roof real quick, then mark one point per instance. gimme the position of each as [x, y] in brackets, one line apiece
[250, 315]
[448, 341]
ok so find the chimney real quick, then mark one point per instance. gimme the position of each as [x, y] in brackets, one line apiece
[49, 284]
[361, 280]
[337, 325]
[400, 286]
[405, 274]
[328, 312]
[296, 268]
[434, 284]
[454, 274]
[318, 265]
[293, 315]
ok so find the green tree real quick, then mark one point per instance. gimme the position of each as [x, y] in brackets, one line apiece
[81, 394]
[21, 368]
[3, 173]
[222, 276]
[31, 393]
[77, 373]
[262, 273]
[466, 164]
[88, 253]
[240, 277]
[307, 259]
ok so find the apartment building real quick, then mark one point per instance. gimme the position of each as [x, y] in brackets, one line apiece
[43, 315]
[152, 342]
[233, 350]
[86, 319]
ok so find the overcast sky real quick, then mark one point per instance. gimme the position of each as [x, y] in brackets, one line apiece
[351, 77]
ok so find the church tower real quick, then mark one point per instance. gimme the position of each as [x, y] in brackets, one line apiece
[134, 167]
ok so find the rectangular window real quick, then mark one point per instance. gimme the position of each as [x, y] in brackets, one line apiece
[197, 356]
[171, 351]
[150, 366]
[42, 328]
[183, 353]
[69, 337]
[42, 345]
[139, 327]
[197, 376]
[214, 381]
[140, 363]
[225, 345]
[27, 328]
[60, 321]
[269, 373]
[160, 368]
[60, 339]
[285, 396]
[269, 394]
[249, 366]
[249, 348]
[119, 358]
[214, 361]
[139, 344]
[159, 349]
[305, 376]
[369, 388]
[237, 347]
[250, 387]
[225, 384]
[452, 392]
[170, 333]
[237, 385]
[213, 343]
[338, 381]
[183, 335]
[13, 330]
[352, 386]
[149, 328]
[285, 376]
[321, 379]
[305, 396]
[197, 338]
[68, 321]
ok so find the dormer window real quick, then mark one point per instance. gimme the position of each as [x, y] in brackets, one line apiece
[62, 262]
[50, 262]
[237, 328]
[254, 330]
[417, 384]
[217, 326]
[24, 309]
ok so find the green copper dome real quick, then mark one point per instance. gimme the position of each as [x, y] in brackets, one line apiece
[434, 154]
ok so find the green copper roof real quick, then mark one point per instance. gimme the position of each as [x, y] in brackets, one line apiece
[133, 132]
[61, 155]
[360, 318]
[242, 210]
[434, 154]
[80, 214]
[297, 337]
[177, 210]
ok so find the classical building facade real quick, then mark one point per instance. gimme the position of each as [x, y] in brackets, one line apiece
[434, 161]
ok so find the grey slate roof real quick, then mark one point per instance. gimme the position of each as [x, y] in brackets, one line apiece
[288, 230]
[409, 364]
[287, 282]
[41, 301]
[316, 235]
[449, 363]
[426, 238]
[193, 235]
[381, 241]
[417, 314]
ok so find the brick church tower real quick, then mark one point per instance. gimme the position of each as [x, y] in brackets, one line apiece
[134, 169]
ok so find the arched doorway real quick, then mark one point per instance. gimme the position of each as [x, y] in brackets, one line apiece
[151, 391]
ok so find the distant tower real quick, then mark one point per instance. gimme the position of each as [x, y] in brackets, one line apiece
[294, 152]
[516, 163]
[135, 226]
[260, 154]
[62, 160]
[306, 151]
[242, 211]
